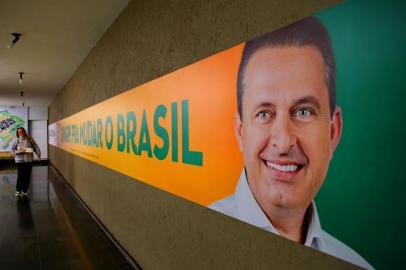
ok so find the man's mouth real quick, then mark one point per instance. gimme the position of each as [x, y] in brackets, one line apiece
[285, 167]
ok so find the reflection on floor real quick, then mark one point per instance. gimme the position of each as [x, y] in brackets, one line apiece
[49, 229]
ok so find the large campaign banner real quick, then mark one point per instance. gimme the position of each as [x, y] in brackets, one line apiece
[175, 133]
[183, 132]
[11, 118]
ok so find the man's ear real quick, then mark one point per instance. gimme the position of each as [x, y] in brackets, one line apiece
[238, 129]
[336, 129]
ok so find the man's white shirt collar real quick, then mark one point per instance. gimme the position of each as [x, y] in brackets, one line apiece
[249, 211]
[243, 206]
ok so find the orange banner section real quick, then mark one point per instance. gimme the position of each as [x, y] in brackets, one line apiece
[175, 133]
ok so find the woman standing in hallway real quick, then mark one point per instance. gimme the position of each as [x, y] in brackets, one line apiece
[23, 148]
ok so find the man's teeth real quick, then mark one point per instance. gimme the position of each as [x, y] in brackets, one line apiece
[283, 168]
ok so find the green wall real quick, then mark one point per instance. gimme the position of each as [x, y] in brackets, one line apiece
[361, 201]
[159, 230]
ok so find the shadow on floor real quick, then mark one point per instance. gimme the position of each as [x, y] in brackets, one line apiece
[50, 229]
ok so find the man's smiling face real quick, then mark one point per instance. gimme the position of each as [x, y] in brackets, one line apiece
[286, 134]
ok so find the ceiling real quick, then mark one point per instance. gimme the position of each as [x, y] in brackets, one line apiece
[56, 38]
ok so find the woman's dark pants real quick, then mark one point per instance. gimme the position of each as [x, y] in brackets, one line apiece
[23, 176]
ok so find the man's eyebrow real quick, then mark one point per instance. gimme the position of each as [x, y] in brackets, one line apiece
[265, 104]
[308, 99]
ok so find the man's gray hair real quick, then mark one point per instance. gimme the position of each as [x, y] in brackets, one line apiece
[306, 32]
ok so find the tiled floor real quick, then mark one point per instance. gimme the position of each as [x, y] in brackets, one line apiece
[50, 229]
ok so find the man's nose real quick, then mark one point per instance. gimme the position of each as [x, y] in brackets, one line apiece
[282, 135]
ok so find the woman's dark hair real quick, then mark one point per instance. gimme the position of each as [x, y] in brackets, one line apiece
[19, 129]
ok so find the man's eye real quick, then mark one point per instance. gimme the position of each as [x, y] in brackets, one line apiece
[264, 115]
[304, 112]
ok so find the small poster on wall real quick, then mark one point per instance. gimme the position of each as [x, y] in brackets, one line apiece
[11, 118]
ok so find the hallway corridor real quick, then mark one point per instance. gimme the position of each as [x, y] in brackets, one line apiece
[50, 229]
